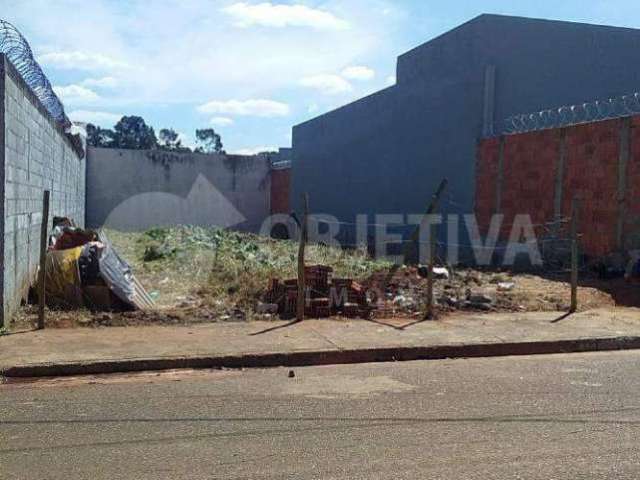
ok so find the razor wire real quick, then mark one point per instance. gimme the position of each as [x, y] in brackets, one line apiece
[568, 115]
[19, 53]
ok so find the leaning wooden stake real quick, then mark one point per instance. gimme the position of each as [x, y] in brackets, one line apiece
[410, 245]
[43, 258]
[574, 256]
[301, 298]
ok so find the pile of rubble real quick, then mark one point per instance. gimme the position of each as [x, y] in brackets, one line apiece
[405, 293]
[402, 293]
[382, 295]
[325, 296]
[84, 270]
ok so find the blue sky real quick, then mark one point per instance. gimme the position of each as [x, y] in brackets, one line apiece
[251, 69]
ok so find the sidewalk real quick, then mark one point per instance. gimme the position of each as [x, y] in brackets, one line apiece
[265, 344]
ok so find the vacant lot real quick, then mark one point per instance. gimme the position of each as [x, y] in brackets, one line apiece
[207, 274]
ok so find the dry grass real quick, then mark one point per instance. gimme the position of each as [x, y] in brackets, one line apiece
[208, 274]
[224, 269]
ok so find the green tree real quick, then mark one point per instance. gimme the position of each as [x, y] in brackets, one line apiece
[208, 141]
[169, 140]
[132, 132]
[100, 137]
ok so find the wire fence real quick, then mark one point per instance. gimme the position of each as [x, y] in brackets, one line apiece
[568, 115]
[19, 53]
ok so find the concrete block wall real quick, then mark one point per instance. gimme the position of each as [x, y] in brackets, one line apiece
[539, 174]
[36, 155]
[387, 153]
[132, 190]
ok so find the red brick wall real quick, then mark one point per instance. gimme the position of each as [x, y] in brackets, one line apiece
[632, 226]
[529, 167]
[486, 177]
[280, 185]
[590, 172]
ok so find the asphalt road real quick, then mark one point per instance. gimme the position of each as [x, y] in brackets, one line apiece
[541, 417]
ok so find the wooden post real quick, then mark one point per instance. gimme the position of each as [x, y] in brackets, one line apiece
[429, 314]
[574, 255]
[43, 258]
[433, 235]
[302, 297]
[413, 241]
[433, 206]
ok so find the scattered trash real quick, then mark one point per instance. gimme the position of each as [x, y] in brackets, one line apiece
[266, 308]
[439, 273]
[506, 286]
[480, 298]
[292, 374]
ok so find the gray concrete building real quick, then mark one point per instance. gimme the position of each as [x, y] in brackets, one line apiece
[35, 155]
[386, 153]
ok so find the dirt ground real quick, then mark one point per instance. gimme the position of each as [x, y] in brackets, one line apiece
[203, 276]
[529, 293]
[474, 290]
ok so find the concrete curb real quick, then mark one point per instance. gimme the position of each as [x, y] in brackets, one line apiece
[325, 357]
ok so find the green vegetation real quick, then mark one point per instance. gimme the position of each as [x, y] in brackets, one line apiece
[222, 266]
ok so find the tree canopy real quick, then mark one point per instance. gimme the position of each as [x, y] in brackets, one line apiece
[132, 132]
[208, 141]
[170, 140]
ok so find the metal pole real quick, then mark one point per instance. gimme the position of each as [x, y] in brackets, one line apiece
[43, 258]
[301, 298]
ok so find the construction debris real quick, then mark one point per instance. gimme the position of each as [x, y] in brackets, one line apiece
[324, 295]
[405, 293]
[83, 269]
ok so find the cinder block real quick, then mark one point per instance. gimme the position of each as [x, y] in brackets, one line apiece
[34, 156]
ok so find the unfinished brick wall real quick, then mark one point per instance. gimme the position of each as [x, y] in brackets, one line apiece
[280, 185]
[539, 174]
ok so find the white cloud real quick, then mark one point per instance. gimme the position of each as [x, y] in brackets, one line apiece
[253, 150]
[167, 76]
[358, 72]
[313, 107]
[77, 60]
[76, 94]
[104, 82]
[248, 108]
[391, 79]
[132, 46]
[103, 119]
[221, 121]
[327, 84]
[267, 14]
[186, 140]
